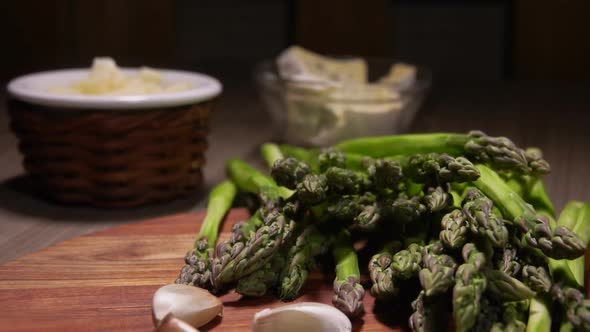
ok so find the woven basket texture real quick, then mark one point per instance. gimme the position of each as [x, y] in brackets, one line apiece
[113, 158]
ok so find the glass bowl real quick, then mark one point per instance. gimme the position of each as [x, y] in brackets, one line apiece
[313, 114]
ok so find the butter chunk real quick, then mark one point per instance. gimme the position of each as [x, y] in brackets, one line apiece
[299, 64]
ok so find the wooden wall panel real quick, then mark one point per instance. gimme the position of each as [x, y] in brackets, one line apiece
[135, 32]
[552, 39]
[40, 35]
[344, 26]
[32, 35]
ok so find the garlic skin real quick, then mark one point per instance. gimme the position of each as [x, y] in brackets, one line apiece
[173, 324]
[190, 304]
[304, 316]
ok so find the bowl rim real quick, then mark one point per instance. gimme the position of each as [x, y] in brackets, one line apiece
[204, 88]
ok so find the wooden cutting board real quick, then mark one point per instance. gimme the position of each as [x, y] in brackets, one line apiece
[105, 281]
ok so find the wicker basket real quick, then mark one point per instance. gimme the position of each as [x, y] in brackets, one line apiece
[113, 159]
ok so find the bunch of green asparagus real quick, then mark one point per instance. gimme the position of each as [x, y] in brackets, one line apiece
[465, 215]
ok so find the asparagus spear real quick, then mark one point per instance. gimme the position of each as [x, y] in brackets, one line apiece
[532, 189]
[387, 271]
[438, 199]
[454, 229]
[241, 232]
[256, 251]
[581, 226]
[506, 288]
[497, 151]
[568, 274]
[470, 284]
[270, 152]
[197, 270]
[513, 317]
[407, 210]
[289, 171]
[436, 168]
[331, 157]
[539, 314]
[308, 156]
[437, 274]
[348, 291]
[509, 263]
[250, 180]
[240, 258]
[259, 282]
[408, 262]
[385, 175]
[381, 272]
[477, 209]
[577, 308]
[558, 243]
[300, 260]
[346, 182]
[420, 320]
[490, 313]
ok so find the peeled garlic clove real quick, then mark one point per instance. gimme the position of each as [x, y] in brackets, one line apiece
[304, 316]
[193, 305]
[173, 324]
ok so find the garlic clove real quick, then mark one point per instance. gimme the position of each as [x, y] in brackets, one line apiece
[195, 306]
[173, 324]
[304, 316]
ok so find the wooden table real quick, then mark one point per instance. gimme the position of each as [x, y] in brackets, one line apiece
[552, 116]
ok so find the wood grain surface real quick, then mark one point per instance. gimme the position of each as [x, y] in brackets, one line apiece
[105, 282]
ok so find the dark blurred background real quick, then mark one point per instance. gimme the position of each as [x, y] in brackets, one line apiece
[459, 40]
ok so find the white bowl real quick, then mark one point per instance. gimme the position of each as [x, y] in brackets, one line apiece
[34, 88]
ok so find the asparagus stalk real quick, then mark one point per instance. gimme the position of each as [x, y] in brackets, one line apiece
[570, 274]
[490, 313]
[470, 284]
[349, 293]
[300, 260]
[539, 314]
[289, 171]
[532, 189]
[513, 317]
[581, 227]
[437, 199]
[406, 210]
[385, 175]
[420, 320]
[259, 249]
[387, 271]
[497, 151]
[381, 272]
[236, 259]
[454, 229]
[477, 209]
[558, 243]
[433, 168]
[270, 153]
[309, 157]
[259, 282]
[506, 288]
[197, 270]
[251, 180]
[508, 263]
[407, 263]
[437, 274]
[331, 158]
[241, 233]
